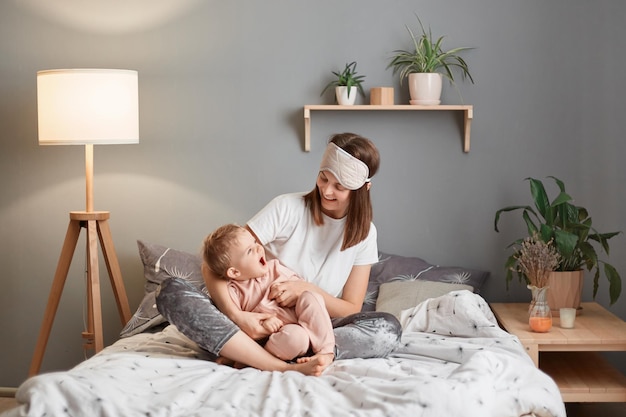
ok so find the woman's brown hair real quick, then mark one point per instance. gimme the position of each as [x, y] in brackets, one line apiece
[360, 213]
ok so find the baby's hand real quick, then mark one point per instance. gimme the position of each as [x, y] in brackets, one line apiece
[273, 324]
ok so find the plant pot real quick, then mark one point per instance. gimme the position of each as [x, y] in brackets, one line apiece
[565, 290]
[425, 88]
[345, 99]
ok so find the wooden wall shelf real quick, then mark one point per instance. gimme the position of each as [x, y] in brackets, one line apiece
[468, 111]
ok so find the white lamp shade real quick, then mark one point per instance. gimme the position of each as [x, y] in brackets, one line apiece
[87, 106]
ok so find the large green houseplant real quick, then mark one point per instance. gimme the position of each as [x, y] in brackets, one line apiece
[570, 229]
[427, 57]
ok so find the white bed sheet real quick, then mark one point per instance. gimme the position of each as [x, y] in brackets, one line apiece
[453, 361]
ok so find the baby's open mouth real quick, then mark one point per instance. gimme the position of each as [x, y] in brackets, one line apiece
[262, 260]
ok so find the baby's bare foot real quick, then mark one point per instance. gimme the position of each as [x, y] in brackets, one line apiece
[314, 365]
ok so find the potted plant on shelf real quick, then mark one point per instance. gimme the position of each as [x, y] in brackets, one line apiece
[347, 83]
[570, 229]
[426, 64]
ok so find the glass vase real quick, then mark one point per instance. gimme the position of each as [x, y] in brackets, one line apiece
[539, 315]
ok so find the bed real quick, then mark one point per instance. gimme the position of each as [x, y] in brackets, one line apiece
[453, 360]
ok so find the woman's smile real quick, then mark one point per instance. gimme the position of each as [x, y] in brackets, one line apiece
[334, 197]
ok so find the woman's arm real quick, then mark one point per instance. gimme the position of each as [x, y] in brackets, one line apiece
[286, 293]
[249, 323]
[351, 301]
[355, 288]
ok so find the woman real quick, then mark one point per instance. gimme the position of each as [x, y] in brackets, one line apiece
[328, 237]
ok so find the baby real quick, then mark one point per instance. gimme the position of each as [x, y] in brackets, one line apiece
[231, 252]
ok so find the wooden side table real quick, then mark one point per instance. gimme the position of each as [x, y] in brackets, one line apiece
[570, 356]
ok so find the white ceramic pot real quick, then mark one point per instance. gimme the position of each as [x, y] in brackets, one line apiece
[425, 88]
[342, 95]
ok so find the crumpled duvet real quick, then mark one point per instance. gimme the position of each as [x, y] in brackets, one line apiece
[453, 360]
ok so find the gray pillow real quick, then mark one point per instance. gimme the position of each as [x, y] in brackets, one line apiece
[401, 268]
[393, 297]
[160, 263]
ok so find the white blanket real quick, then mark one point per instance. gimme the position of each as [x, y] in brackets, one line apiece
[453, 361]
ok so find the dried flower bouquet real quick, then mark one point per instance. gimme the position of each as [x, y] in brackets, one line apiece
[536, 259]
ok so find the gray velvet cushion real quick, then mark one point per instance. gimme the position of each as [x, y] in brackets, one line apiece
[395, 296]
[391, 268]
[160, 263]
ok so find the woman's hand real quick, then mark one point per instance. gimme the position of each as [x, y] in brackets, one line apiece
[286, 293]
[252, 324]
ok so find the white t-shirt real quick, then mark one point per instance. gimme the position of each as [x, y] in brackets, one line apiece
[286, 228]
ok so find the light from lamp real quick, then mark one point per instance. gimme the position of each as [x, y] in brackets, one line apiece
[87, 106]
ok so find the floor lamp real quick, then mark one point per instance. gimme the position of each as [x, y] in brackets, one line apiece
[86, 107]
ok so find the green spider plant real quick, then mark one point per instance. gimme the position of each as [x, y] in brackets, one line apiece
[427, 55]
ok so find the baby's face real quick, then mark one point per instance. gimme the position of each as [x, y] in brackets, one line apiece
[248, 256]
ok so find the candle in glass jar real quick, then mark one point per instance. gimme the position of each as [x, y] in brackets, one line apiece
[540, 324]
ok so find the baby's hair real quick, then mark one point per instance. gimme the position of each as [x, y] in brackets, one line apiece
[216, 248]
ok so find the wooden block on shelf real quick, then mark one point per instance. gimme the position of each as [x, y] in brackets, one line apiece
[381, 96]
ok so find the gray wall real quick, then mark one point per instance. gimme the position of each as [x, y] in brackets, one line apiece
[222, 86]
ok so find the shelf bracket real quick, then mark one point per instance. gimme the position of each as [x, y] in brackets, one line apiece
[307, 129]
[468, 116]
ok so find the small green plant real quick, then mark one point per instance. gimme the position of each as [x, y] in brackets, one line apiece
[428, 56]
[347, 78]
[570, 229]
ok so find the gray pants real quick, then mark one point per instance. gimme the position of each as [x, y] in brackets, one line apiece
[361, 335]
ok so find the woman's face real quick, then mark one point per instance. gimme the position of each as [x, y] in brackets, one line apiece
[335, 197]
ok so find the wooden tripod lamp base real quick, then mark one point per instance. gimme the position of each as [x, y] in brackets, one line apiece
[97, 226]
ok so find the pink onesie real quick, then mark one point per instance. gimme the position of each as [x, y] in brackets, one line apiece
[306, 324]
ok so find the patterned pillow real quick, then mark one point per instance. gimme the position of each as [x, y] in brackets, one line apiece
[400, 268]
[160, 263]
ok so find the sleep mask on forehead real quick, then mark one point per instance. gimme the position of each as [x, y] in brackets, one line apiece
[351, 172]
